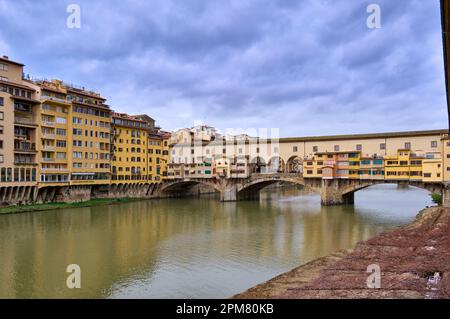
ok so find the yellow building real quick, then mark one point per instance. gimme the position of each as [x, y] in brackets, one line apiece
[446, 158]
[90, 160]
[129, 160]
[432, 167]
[354, 165]
[406, 165]
[54, 118]
[313, 166]
[156, 161]
[165, 153]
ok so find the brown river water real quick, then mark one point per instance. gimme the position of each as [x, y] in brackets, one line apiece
[187, 248]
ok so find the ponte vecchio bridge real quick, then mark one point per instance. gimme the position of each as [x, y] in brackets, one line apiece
[332, 192]
[334, 166]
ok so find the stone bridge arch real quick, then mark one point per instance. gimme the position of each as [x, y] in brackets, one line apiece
[337, 192]
[250, 188]
[183, 186]
[355, 186]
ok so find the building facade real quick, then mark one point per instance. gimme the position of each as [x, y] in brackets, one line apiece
[19, 123]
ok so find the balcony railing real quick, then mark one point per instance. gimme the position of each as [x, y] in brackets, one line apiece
[25, 147]
[24, 120]
[48, 147]
[48, 159]
[52, 98]
[47, 135]
[22, 109]
[24, 162]
[47, 123]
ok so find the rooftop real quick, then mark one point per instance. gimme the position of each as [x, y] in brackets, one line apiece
[363, 136]
[4, 58]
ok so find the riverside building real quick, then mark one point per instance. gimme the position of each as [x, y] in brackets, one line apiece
[19, 122]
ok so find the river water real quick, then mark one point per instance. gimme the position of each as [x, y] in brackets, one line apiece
[187, 248]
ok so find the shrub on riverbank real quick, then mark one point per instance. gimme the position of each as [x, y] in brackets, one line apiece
[437, 198]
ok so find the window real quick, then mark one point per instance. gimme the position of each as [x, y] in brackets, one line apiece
[315, 149]
[434, 144]
[336, 148]
[61, 143]
[61, 120]
[358, 147]
[1, 101]
[408, 145]
[382, 146]
[61, 155]
[378, 161]
[1, 129]
[1, 116]
[1, 144]
[3, 67]
[1, 158]
[60, 131]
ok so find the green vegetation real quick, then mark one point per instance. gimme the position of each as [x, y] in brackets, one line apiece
[437, 198]
[51, 206]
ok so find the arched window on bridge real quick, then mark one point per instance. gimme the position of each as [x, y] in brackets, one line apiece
[276, 165]
[258, 165]
[295, 165]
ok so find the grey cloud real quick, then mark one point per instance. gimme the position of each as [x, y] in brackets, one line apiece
[310, 67]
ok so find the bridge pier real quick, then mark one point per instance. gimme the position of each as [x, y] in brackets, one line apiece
[331, 194]
[229, 194]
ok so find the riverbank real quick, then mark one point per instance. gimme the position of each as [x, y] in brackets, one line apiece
[409, 257]
[51, 206]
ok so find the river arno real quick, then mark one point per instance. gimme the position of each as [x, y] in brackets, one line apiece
[187, 248]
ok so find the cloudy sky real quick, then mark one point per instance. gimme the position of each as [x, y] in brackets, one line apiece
[309, 67]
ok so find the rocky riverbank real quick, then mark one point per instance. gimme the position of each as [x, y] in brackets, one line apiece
[414, 261]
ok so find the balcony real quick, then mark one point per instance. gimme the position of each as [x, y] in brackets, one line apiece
[47, 123]
[48, 136]
[24, 147]
[49, 148]
[24, 121]
[22, 108]
[48, 159]
[55, 99]
[55, 169]
[24, 162]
